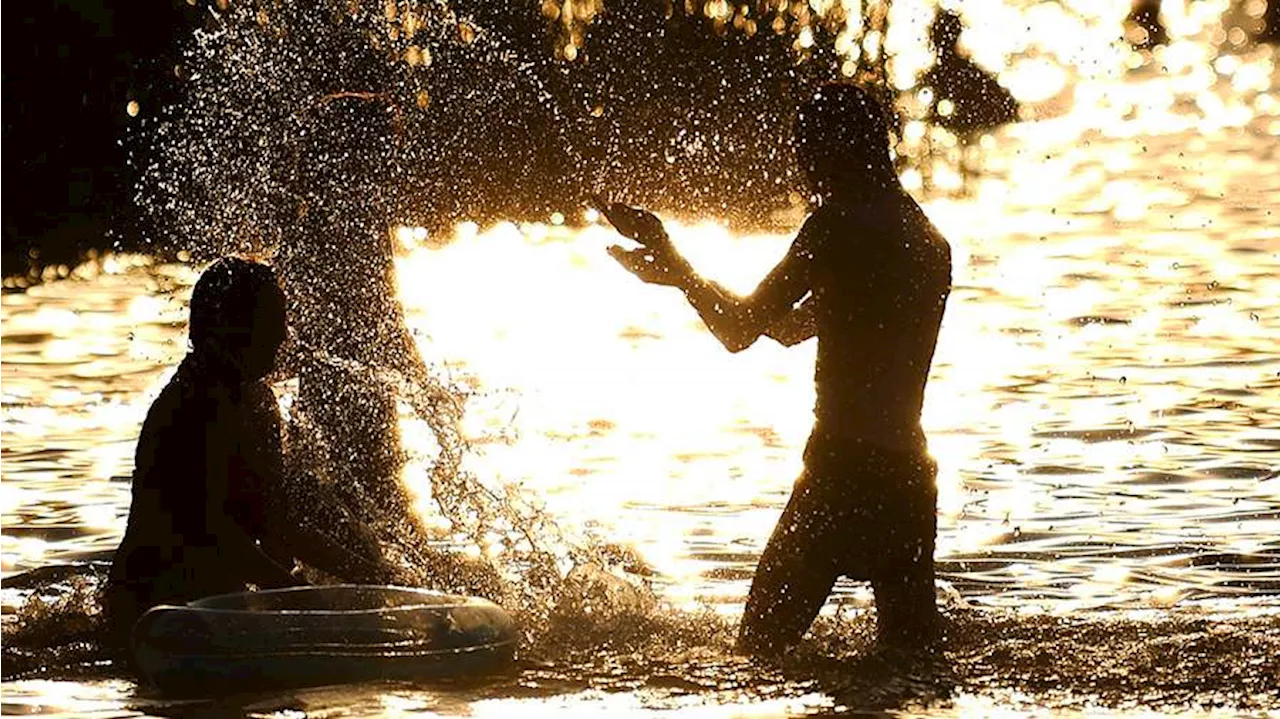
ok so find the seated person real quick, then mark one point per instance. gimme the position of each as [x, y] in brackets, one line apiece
[211, 513]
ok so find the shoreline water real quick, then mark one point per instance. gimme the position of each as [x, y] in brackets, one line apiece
[1173, 662]
[1102, 410]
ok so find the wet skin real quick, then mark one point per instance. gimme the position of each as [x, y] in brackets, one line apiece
[211, 511]
[869, 276]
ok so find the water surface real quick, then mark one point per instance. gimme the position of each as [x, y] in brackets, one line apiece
[1102, 407]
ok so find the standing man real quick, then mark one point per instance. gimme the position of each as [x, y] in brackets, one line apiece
[868, 275]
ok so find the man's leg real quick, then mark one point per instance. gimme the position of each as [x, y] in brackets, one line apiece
[903, 581]
[794, 576]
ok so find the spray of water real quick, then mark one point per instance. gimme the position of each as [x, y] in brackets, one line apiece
[306, 134]
[305, 131]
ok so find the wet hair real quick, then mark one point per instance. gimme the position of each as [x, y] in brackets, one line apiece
[227, 298]
[842, 135]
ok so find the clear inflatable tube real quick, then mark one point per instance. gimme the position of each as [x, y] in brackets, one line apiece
[312, 636]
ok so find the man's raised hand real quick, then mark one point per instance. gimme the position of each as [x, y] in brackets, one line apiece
[634, 223]
[643, 263]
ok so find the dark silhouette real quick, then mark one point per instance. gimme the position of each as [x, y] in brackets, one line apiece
[1143, 28]
[967, 100]
[211, 512]
[872, 276]
[1271, 23]
[71, 70]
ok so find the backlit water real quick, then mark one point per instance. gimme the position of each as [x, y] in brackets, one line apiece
[1104, 408]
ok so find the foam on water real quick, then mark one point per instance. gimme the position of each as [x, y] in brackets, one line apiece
[606, 641]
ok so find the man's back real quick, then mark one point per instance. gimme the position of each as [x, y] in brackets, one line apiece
[881, 277]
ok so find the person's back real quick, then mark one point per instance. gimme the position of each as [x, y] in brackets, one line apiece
[881, 277]
[865, 506]
[170, 551]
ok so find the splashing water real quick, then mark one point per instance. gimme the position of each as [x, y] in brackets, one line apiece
[224, 176]
[244, 147]
[361, 115]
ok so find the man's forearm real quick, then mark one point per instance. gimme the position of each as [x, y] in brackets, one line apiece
[795, 326]
[721, 310]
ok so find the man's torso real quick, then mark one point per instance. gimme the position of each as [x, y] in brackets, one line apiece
[881, 277]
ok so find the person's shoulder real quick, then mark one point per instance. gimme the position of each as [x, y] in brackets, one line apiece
[170, 403]
[262, 409]
[926, 235]
[829, 215]
[925, 226]
[826, 222]
[845, 224]
[259, 396]
[180, 404]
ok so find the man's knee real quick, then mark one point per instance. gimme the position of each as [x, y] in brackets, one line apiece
[785, 597]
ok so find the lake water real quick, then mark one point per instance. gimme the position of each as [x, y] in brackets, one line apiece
[1104, 407]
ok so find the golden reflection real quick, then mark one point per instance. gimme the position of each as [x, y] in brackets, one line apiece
[1102, 394]
[67, 698]
[643, 702]
[1107, 352]
[607, 398]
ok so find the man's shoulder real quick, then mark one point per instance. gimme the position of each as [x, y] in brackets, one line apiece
[852, 217]
[828, 222]
[831, 215]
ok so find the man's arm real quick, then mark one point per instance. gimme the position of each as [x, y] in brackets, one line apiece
[736, 321]
[361, 562]
[236, 546]
[796, 326]
[298, 517]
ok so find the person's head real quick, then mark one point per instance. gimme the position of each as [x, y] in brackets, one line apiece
[237, 318]
[945, 31]
[842, 141]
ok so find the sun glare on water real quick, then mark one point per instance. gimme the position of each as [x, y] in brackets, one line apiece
[1089, 304]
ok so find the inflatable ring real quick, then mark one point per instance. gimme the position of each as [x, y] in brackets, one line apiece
[312, 636]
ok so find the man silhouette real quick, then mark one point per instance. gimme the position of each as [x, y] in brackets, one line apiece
[868, 275]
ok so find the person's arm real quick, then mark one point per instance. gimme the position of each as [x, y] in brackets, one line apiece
[735, 321]
[297, 518]
[796, 326]
[357, 560]
[237, 547]
[322, 533]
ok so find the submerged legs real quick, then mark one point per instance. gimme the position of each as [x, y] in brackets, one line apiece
[875, 520]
